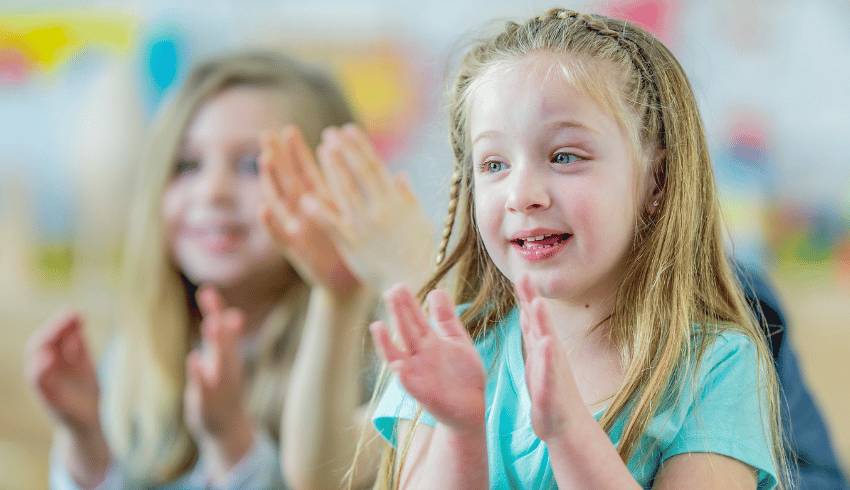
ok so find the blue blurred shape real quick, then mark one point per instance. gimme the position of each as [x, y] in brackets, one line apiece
[162, 56]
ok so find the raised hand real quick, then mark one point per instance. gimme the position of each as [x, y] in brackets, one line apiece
[438, 367]
[213, 402]
[548, 375]
[375, 219]
[288, 171]
[61, 371]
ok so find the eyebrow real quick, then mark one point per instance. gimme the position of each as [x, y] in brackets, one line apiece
[550, 127]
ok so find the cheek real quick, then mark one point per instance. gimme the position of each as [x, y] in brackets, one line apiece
[250, 196]
[172, 209]
[486, 217]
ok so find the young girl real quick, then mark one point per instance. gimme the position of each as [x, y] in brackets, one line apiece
[190, 393]
[613, 347]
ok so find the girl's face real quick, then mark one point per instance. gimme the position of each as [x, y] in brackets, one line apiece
[210, 204]
[555, 181]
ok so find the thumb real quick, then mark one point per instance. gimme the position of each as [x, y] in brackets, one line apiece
[401, 183]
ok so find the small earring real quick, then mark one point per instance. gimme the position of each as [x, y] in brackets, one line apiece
[655, 203]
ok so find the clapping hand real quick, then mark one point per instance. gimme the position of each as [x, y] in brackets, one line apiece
[548, 375]
[288, 171]
[439, 367]
[213, 401]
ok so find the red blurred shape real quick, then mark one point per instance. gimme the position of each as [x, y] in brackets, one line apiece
[656, 16]
[15, 67]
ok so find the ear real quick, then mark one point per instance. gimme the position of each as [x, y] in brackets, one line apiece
[655, 181]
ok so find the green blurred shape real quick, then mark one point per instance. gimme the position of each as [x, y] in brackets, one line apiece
[53, 264]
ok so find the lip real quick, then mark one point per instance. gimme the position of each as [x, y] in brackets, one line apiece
[217, 238]
[537, 232]
[539, 254]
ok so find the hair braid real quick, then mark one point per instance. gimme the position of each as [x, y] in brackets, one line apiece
[454, 195]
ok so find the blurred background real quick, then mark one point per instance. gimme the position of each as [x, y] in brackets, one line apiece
[80, 82]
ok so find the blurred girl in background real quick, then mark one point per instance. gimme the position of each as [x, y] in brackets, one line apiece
[191, 389]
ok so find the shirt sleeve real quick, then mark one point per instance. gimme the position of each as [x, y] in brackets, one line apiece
[258, 469]
[397, 404]
[60, 478]
[729, 413]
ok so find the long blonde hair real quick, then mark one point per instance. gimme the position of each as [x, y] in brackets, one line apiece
[677, 276]
[142, 402]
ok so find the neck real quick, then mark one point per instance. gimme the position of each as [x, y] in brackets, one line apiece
[257, 297]
[581, 323]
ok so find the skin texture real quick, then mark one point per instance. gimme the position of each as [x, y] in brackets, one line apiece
[548, 161]
[209, 207]
[213, 406]
[215, 238]
[372, 221]
[60, 370]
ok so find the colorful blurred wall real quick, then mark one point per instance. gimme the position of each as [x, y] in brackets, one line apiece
[80, 82]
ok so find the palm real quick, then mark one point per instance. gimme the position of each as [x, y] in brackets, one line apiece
[213, 393]
[447, 378]
[548, 375]
[375, 220]
[546, 388]
[61, 370]
[286, 166]
[441, 369]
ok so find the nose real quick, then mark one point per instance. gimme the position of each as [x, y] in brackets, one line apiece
[528, 190]
[216, 182]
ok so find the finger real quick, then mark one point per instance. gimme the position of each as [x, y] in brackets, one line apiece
[542, 322]
[327, 218]
[71, 347]
[386, 347]
[38, 369]
[525, 289]
[442, 313]
[412, 312]
[338, 174]
[195, 371]
[366, 170]
[49, 335]
[274, 227]
[278, 199]
[232, 322]
[401, 184]
[357, 134]
[209, 301]
[273, 163]
[525, 324]
[366, 147]
[306, 167]
[408, 331]
[540, 371]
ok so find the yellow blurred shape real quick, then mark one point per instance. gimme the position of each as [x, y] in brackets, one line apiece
[379, 88]
[48, 40]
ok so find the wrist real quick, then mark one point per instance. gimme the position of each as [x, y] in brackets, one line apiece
[225, 449]
[358, 297]
[573, 436]
[87, 456]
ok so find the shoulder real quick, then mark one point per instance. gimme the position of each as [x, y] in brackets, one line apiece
[723, 348]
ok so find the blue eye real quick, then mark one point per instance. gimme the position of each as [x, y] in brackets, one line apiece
[186, 165]
[565, 158]
[248, 164]
[494, 166]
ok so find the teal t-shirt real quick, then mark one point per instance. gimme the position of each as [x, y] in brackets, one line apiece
[722, 415]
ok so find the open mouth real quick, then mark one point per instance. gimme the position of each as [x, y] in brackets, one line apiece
[541, 241]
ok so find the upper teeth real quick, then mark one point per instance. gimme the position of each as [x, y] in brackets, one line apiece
[535, 238]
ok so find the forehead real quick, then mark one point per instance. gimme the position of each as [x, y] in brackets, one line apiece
[239, 113]
[539, 87]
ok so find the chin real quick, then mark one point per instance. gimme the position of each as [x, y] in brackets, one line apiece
[218, 278]
[553, 284]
